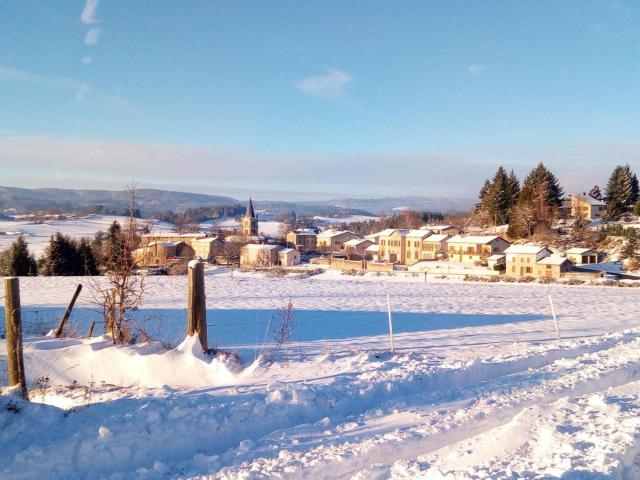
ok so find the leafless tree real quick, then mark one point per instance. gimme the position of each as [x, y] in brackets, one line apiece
[119, 292]
[283, 324]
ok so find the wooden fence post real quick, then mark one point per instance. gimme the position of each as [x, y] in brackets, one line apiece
[197, 305]
[13, 325]
[67, 313]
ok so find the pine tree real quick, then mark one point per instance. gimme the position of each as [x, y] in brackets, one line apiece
[61, 257]
[498, 196]
[596, 193]
[541, 177]
[87, 259]
[622, 192]
[16, 261]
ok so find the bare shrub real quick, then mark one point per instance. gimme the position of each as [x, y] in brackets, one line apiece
[282, 325]
[121, 292]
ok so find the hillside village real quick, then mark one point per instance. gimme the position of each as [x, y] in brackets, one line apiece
[579, 236]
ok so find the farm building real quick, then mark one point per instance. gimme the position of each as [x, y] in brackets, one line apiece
[582, 256]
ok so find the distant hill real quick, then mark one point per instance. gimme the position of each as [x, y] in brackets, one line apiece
[147, 200]
[152, 201]
[394, 204]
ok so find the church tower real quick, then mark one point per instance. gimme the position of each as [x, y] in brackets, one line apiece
[250, 222]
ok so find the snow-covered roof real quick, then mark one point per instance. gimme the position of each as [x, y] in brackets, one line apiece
[436, 238]
[552, 260]
[373, 248]
[354, 242]
[207, 240]
[418, 233]
[437, 227]
[482, 239]
[495, 257]
[579, 251]
[258, 246]
[525, 249]
[304, 231]
[330, 233]
[389, 231]
[590, 200]
[286, 250]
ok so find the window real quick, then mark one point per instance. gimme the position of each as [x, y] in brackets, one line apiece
[527, 269]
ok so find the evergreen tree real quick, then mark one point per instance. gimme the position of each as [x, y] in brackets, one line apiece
[622, 191]
[513, 186]
[16, 261]
[540, 178]
[596, 193]
[87, 258]
[498, 196]
[61, 257]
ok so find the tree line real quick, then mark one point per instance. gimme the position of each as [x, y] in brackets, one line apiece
[532, 206]
[65, 256]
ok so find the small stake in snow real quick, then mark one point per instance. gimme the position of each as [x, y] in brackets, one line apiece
[390, 323]
[197, 306]
[13, 327]
[67, 313]
[555, 319]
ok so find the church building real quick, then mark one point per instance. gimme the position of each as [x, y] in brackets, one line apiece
[250, 221]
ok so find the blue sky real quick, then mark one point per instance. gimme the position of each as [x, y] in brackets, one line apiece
[300, 99]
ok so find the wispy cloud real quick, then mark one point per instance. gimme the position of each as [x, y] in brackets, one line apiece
[86, 60]
[89, 12]
[80, 90]
[476, 70]
[92, 36]
[331, 85]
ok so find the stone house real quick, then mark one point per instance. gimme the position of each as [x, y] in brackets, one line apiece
[357, 246]
[288, 257]
[256, 255]
[303, 239]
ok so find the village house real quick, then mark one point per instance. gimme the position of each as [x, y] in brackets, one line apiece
[257, 255]
[357, 247]
[372, 252]
[414, 245]
[333, 240]
[207, 248]
[288, 257]
[392, 245]
[162, 253]
[553, 266]
[187, 238]
[434, 246]
[521, 259]
[582, 205]
[475, 248]
[582, 256]
[303, 240]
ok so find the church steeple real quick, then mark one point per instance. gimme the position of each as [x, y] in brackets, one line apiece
[250, 212]
[250, 221]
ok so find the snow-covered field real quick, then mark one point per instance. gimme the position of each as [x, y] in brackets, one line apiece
[37, 234]
[478, 386]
